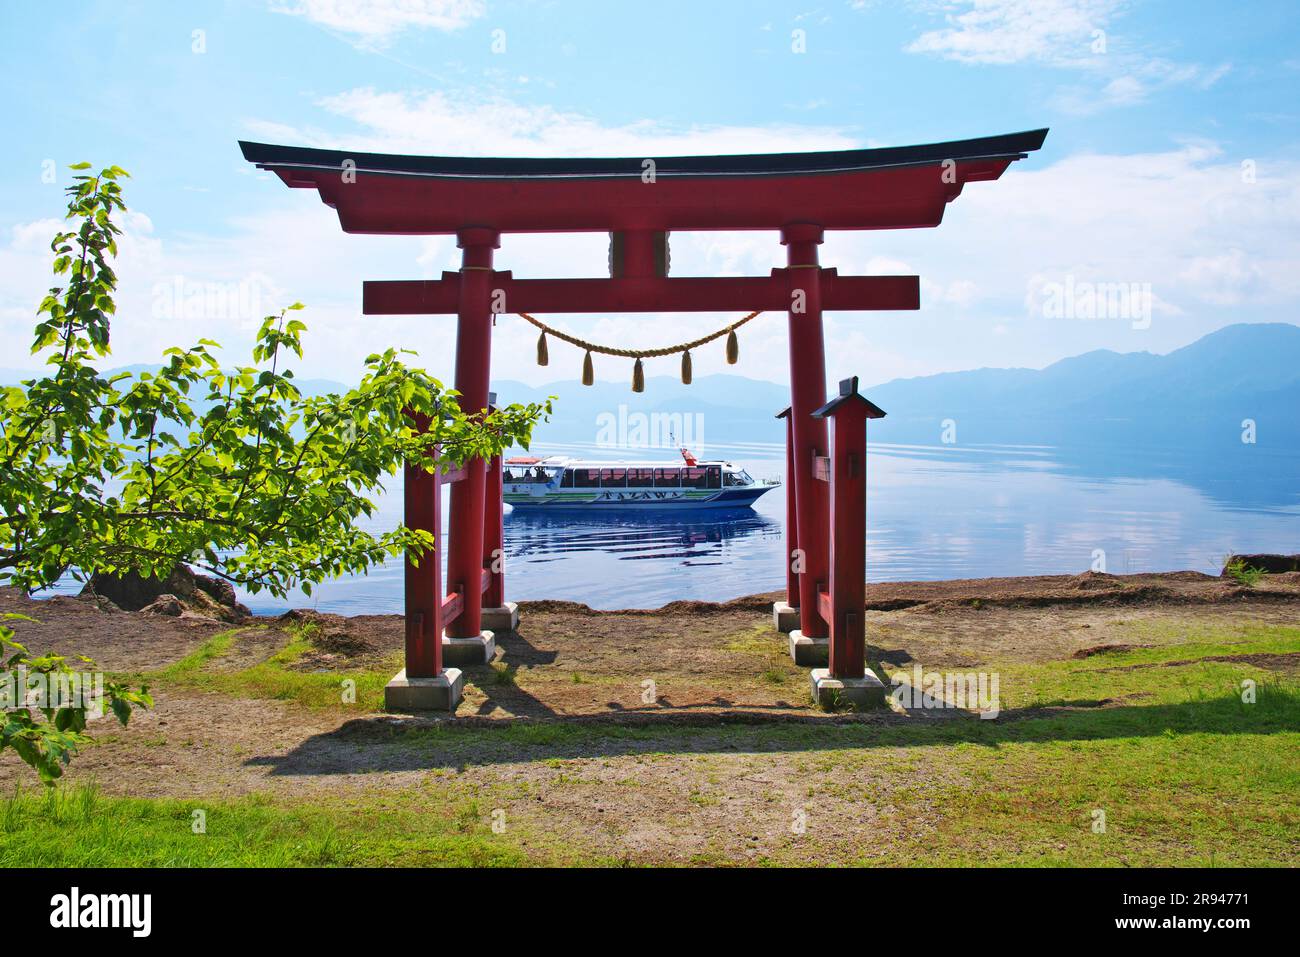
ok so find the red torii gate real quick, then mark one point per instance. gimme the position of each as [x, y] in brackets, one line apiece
[638, 202]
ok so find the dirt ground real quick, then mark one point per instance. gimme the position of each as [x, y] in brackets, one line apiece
[1035, 618]
[712, 665]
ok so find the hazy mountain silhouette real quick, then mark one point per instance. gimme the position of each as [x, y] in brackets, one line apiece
[1195, 396]
[1192, 398]
[1200, 394]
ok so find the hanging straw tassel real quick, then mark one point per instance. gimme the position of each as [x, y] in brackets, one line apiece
[686, 367]
[588, 373]
[638, 377]
[733, 348]
[543, 358]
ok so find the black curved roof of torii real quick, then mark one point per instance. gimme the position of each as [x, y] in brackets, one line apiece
[1015, 145]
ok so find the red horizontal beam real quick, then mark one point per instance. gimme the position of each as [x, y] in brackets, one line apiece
[825, 607]
[646, 294]
[454, 604]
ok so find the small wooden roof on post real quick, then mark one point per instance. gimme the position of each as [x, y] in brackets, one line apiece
[849, 394]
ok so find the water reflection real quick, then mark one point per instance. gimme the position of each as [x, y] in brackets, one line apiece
[694, 537]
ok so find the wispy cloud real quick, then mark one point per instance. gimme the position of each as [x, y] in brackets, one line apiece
[375, 22]
[1013, 31]
[1065, 34]
[466, 124]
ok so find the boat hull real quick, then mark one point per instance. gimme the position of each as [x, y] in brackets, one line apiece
[655, 501]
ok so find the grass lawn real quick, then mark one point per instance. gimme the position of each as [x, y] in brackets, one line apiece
[1145, 756]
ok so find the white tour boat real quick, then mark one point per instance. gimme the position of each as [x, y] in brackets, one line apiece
[559, 482]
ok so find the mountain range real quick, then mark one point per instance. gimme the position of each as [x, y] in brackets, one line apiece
[1199, 396]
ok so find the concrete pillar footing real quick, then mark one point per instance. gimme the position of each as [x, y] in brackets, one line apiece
[442, 693]
[785, 617]
[503, 619]
[474, 650]
[859, 693]
[809, 652]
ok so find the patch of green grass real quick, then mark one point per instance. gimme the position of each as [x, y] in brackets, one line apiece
[759, 640]
[1243, 573]
[504, 674]
[275, 678]
[1170, 671]
[81, 828]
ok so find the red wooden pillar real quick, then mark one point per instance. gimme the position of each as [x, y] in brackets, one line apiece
[845, 597]
[422, 497]
[791, 516]
[494, 556]
[807, 393]
[473, 365]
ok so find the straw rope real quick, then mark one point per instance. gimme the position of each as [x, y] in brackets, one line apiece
[637, 353]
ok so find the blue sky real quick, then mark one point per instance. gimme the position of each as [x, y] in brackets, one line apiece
[1171, 161]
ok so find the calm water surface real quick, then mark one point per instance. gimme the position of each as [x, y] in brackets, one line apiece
[933, 513]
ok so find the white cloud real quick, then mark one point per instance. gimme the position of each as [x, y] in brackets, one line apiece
[1067, 34]
[1140, 82]
[460, 125]
[1229, 278]
[377, 21]
[1013, 31]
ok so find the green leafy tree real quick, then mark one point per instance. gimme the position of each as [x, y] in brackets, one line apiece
[231, 471]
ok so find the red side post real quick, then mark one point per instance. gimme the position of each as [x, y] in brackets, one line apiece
[848, 540]
[473, 366]
[791, 517]
[494, 555]
[807, 393]
[422, 504]
[848, 523]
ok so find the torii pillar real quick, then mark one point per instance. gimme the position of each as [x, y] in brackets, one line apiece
[810, 554]
[466, 641]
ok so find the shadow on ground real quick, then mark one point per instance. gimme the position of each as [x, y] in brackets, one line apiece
[386, 744]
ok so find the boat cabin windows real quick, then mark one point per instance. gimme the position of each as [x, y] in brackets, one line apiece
[527, 474]
[738, 478]
[617, 476]
[667, 478]
[709, 476]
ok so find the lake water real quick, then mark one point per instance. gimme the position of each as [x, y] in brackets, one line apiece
[933, 512]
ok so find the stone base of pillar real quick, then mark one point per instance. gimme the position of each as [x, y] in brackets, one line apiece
[809, 652]
[474, 650]
[859, 694]
[785, 617]
[442, 693]
[503, 619]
